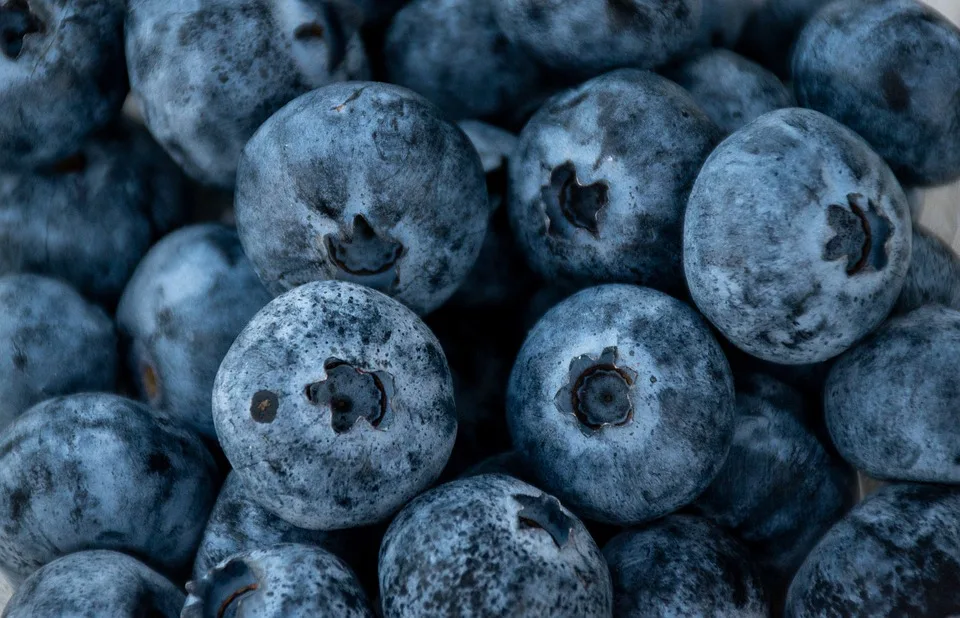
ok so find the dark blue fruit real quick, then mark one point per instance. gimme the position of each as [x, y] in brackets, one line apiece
[934, 275]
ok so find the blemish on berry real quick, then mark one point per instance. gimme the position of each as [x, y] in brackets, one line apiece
[263, 406]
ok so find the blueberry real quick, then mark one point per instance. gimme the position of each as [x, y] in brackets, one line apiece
[730, 89]
[62, 76]
[52, 342]
[587, 37]
[600, 178]
[934, 274]
[91, 217]
[772, 29]
[187, 301]
[796, 240]
[335, 406]
[622, 403]
[890, 70]
[723, 21]
[488, 546]
[891, 402]
[207, 74]
[896, 554]
[364, 182]
[284, 581]
[683, 566]
[96, 583]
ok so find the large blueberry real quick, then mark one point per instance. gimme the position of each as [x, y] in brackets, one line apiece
[892, 401]
[207, 73]
[622, 402]
[363, 182]
[90, 218]
[62, 76]
[934, 274]
[187, 301]
[889, 70]
[90, 584]
[487, 546]
[97, 471]
[52, 342]
[600, 177]
[796, 239]
[896, 554]
[683, 566]
[284, 581]
[335, 406]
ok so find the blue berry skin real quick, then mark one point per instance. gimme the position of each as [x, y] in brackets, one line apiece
[586, 38]
[795, 192]
[335, 406]
[723, 21]
[52, 342]
[683, 566]
[187, 301]
[891, 402]
[207, 74]
[62, 76]
[622, 403]
[889, 70]
[284, 581]
[600, 178]
[934, 274]
[363, 182]
[90, 218]
[731, 90]
[772, 29]
[95, 583]
[487, 546]
[896, 554]
[98, 471]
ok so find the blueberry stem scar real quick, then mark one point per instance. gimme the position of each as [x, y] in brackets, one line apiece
[544, 512]
[597, 392]
[351, 393]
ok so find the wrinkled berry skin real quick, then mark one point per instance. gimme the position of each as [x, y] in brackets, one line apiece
[96, 583]
[934, 274]
[62, 76]
[795, 192]
[584, 37]
[335, 406]
[622, 403]
[600, 177]
[284, 581]
[91, 218]
[896, 554]
[207, 74]
[486, 546]
[132, 479]
[187, 301]
[891, 402]
[52, 342]
[683, 566]
[364, 182]
[731, 90]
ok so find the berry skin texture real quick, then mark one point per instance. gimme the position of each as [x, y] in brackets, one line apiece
[62, 76]
[796, 239]
[363, 182]
[889, 70]
[622, 403]
[207, 74]
[487, 546]
[98, 471]
[895, 554]
[683, 566]
[96, 583]
[284, 581]
[335, 406]
[187, 301]
[52, 342]
[891, 402]
[934, 275]
[600, 177]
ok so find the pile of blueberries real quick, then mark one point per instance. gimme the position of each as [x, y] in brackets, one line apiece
[566, 308]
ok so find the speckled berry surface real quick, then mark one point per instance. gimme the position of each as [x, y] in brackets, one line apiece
[335, 406]
[600, 177]
[934, 274]
[622, 403]
[488, 546]
[363, 182]
[795, 192]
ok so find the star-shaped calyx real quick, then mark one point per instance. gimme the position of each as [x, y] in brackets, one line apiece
[571, 205]
[363, 256]
[222, 591]
[597, 391]
[860, 235]
[352, 394]
[16, 22]
[546, 513]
